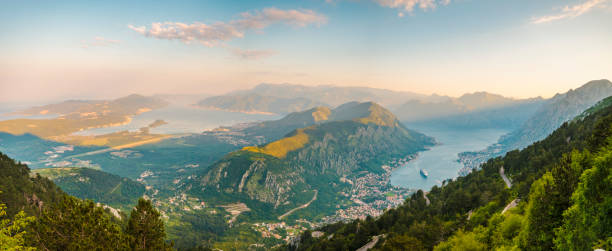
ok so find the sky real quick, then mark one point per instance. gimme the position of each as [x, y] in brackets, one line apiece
[104, 49]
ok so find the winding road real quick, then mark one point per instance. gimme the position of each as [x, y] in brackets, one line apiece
[370, 244]
[501, 172]
[300, 207]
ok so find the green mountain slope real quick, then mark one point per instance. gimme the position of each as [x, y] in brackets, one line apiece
[99, 186]
[36, 215]
[287, 173]
[20, 191]
[557, 197]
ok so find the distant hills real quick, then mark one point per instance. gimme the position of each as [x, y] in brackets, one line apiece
[550, 116]
[556, 111]
[335, 95]
[132, 104]
[466, 108]
[286, 98]
[256, 103]
[409, 107]
[75, 116]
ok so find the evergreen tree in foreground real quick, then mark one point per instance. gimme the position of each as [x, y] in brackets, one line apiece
[146, 228]
[75, 224]
[12, 231]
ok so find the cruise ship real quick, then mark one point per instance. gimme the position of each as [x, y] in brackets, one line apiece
[424, 173]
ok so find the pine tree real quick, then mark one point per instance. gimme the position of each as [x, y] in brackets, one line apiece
[146, 228]
[74, 224]
[12, 231]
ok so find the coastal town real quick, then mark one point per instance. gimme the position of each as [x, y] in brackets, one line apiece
[371, 194]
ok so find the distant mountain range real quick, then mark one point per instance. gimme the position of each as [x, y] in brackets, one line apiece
[550, 116]
[409, 107]
[509, 116]
[473, 109]
[256, 103]
[286, 98]
[77, 115]
[131, 104]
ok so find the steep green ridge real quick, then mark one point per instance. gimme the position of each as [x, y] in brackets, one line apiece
[99, 186]
[357, 137]
[561, 187]
[63, 222]
[20, 192]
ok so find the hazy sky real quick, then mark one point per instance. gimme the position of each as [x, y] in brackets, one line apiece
[89, 49]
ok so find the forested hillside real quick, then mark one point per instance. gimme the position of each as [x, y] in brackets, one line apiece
[96, 185]
[36, 215]
[558, 195]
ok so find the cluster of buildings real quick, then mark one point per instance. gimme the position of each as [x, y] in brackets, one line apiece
[235, 135]
[279, 230]
[371, 194]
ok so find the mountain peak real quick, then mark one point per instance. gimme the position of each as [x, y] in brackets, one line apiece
[478, 100]
[596, 84]
[320, 113]
[365, 113]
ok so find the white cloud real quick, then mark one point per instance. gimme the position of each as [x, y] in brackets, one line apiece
[99, 42]
[410, 5]
[215, 33]
[570, 11]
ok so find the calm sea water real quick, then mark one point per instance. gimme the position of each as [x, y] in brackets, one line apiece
[441, 160]
[183, 119]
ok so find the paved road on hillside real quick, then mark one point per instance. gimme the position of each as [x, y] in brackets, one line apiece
[300, 207]
[501, 172]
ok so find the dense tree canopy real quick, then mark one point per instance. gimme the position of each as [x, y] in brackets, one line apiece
[146, 228]
[560, 199]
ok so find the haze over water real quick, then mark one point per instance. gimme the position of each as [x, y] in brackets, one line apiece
[441, 160]
[183, 119]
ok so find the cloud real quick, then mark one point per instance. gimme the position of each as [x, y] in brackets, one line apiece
[570, 11]
[216, 33]
[252, 54]
[99, 42]
[410, 5]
